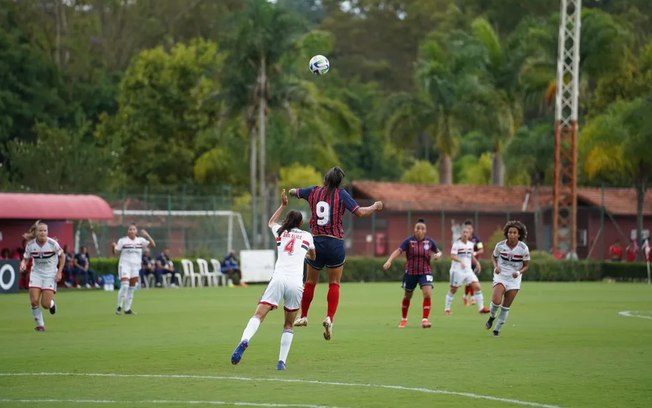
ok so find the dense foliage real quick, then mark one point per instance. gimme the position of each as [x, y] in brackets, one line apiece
[186, 94]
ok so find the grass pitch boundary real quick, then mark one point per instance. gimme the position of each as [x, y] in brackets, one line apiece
[237, 378]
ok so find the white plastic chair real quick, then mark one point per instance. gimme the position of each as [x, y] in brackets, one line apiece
[210, 277]
[189, 273]
[217, 269]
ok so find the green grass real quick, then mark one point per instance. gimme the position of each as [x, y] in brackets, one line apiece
[564, 344]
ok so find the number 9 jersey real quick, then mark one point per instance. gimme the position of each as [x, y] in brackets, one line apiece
[327, 209]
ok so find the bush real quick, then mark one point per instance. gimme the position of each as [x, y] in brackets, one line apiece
[542, 268]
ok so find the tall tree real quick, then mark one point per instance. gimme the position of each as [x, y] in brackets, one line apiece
[264, 33]
[164, 105]
[616, 145]
[447, 75]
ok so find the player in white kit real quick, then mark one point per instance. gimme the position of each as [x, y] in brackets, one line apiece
[47, 267]
[461, 272]
[131, 256]
[293, 246]
[511, 259]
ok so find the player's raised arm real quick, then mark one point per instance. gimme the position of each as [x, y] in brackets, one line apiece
[277, 214]
[148, 238]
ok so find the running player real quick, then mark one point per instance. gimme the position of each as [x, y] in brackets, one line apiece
[419, 249]
[328, 204]
[511, 259]
[478, 249]
[131, 254]
[461, 272]
[293, 246]
[48, 260]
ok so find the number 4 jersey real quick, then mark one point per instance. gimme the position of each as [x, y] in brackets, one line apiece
[291, 252]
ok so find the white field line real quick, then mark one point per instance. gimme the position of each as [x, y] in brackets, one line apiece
[633, 313]
[190, 402]
[281, 380]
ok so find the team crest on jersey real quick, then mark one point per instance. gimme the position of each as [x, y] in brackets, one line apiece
[426, 246]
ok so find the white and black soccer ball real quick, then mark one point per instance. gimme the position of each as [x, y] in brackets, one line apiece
[319, 65]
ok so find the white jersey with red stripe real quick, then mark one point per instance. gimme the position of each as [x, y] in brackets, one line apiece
[131, 251]
[45, 257]
[292, 248]
[464, 251]
[509, 259]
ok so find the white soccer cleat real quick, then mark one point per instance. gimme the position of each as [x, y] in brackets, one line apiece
[301, 321]
[328, 328]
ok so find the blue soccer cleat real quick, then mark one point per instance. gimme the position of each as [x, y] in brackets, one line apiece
[280, 365]
[239, 351]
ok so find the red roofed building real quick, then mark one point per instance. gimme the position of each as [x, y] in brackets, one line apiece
[489, 207]
[19, 211]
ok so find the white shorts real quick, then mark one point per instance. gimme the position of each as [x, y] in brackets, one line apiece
[508, 282]
[290, 290]
[43, 282]
[128, 271]
[459, 278]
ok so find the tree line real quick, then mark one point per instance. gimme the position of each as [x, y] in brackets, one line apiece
[103, 95]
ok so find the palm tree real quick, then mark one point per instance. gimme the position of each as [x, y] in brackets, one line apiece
[499, 109]
[616, 145]
[447, 78]
[265, 32]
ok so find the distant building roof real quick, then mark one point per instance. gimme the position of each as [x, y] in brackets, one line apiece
[53, 207]
[429, 197]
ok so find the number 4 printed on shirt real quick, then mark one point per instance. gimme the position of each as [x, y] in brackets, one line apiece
[289, 247]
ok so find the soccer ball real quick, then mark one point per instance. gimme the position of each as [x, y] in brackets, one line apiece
[319, 65]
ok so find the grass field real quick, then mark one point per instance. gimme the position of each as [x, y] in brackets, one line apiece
[564, 345]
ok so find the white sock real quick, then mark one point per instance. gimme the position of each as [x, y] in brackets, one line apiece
[479, 299]
[130, 297]
[250, 330]
[493, 308]
[286, 342]
[449, 301]
[38, 316]
[122, 293]
[504, 311]
[51, 303]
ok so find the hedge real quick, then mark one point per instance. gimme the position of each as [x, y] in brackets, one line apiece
[363, 269]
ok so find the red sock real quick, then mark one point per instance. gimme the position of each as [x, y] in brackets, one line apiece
[333, 299]
[466, 290]
[404, 308]
[426, 307]
[471, 291]
[306, 300]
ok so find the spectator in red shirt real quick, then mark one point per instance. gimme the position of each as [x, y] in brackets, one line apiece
[616, 251]
[631, 251]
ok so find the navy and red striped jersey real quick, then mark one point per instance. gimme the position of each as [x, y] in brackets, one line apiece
[327, 209]
[418, 254]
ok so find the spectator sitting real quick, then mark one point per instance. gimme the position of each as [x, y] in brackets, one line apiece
[146, 267]
[69, 272]
[5, 254]
[83, 269]
[616, 251]
[165, 265]
[631, 251]
[231, 268]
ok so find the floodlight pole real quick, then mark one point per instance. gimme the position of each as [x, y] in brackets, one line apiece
[564, 235]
